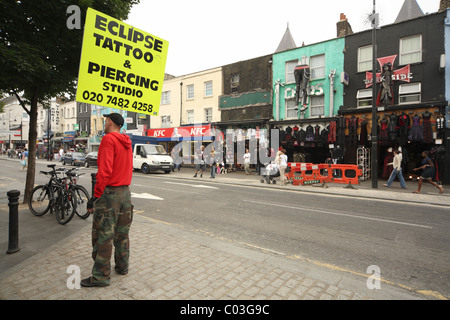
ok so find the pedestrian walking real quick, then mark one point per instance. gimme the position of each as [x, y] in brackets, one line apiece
[247, 161]
[213, 164]
[397, 170]
[111, 204]
[200, 161]
[427, 174]
[24, 160]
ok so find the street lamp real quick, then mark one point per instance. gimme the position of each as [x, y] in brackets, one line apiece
[374, 160]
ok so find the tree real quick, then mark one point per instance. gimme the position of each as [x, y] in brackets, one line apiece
[40, 55]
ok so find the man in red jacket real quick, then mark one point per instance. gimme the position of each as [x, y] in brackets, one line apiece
[111, 204]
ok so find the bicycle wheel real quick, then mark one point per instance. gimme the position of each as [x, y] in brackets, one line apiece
[39, 201]
[66, 205]
[82, 199]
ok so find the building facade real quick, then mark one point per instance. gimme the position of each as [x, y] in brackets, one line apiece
[410, 87]
[304, 124]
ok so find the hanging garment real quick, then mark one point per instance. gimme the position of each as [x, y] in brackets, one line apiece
[324, 136]
[301, 135]
[332, 132]
[384, 136]
[341, 131]
[392, 129]
[309, 133]
[426, 124]
[416, 132]
[317, 133]
[387, 169]
[363, 141]
[440, 125]
[403, 124]
[352, 125]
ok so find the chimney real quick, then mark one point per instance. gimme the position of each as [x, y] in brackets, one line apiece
[444, 5]
[343, 27]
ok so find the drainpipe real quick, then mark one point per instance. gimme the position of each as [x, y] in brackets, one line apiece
[277, 97]
[181, 103]
[331, 76]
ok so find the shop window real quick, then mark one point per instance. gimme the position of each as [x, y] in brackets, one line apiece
[409, 93]
[289, 72]
[365, 55]
[364, 98]
[411, 50]
[317, 105]
[317, 67]
[190, 92]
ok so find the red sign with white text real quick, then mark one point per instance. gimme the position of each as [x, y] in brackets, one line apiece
[190, 131]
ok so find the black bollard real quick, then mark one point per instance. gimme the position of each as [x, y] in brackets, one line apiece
[13, 198]
[94, 179]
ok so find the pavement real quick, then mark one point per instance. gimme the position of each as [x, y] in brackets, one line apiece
[168, 262]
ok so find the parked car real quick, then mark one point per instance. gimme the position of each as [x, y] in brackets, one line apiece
[73, 158]
[91, 159]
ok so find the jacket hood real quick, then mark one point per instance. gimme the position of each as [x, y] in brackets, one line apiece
[123, 139]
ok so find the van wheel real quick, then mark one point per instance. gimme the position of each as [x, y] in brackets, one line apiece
[145, 168]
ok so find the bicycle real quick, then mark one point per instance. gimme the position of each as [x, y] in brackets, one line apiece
[55, 196]
[82, 195]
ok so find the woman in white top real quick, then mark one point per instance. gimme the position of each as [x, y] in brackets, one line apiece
[282, 161]
[397, 170]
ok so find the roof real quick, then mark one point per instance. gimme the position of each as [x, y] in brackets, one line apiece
[287, 42]
[409, 10]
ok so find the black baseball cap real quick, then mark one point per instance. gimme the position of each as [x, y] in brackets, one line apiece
[116, 118]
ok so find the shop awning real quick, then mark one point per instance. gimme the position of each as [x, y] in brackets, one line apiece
[188, 133]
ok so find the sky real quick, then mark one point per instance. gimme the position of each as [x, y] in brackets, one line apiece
[205, 34]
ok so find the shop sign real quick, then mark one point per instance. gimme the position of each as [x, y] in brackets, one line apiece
[121, 66]
[402, 74]
[189, 131]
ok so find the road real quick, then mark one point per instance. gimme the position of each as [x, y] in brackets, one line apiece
[409, 243]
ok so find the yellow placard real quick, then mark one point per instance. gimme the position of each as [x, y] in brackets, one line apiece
[121, 66]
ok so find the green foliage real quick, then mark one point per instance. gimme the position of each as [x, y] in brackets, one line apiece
[39, 55]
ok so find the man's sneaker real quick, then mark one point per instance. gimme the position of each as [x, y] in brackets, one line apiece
[88, 282]
[122, 272]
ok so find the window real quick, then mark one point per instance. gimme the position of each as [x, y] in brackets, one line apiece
[165, 97]
[235, 82]
[411, 50]
[290, 66]
[317, 105]
[190, 116]
[409, 93]
[190, 92]
[208, 115]
[364, 98]
[365, 55]
[291, 109]
[165, 121]
[208, 89]
[318, 67]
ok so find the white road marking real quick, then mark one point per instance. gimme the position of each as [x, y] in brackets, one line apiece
[338, 214]
[145, 196]
[191, 185]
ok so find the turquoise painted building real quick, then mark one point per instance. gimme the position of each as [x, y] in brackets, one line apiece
[325, 90]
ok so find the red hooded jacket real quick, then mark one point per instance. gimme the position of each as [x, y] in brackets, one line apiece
[115, 162]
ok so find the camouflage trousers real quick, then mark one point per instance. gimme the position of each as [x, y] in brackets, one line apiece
[113, 213]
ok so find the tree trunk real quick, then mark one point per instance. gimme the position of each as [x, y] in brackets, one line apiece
[32, 138]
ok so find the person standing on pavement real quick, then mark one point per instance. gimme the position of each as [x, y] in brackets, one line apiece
[427, 174]
[200, 161]
[213, 164]
[111, 204]
[282, 161]
[397, 170]
[247, 161]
